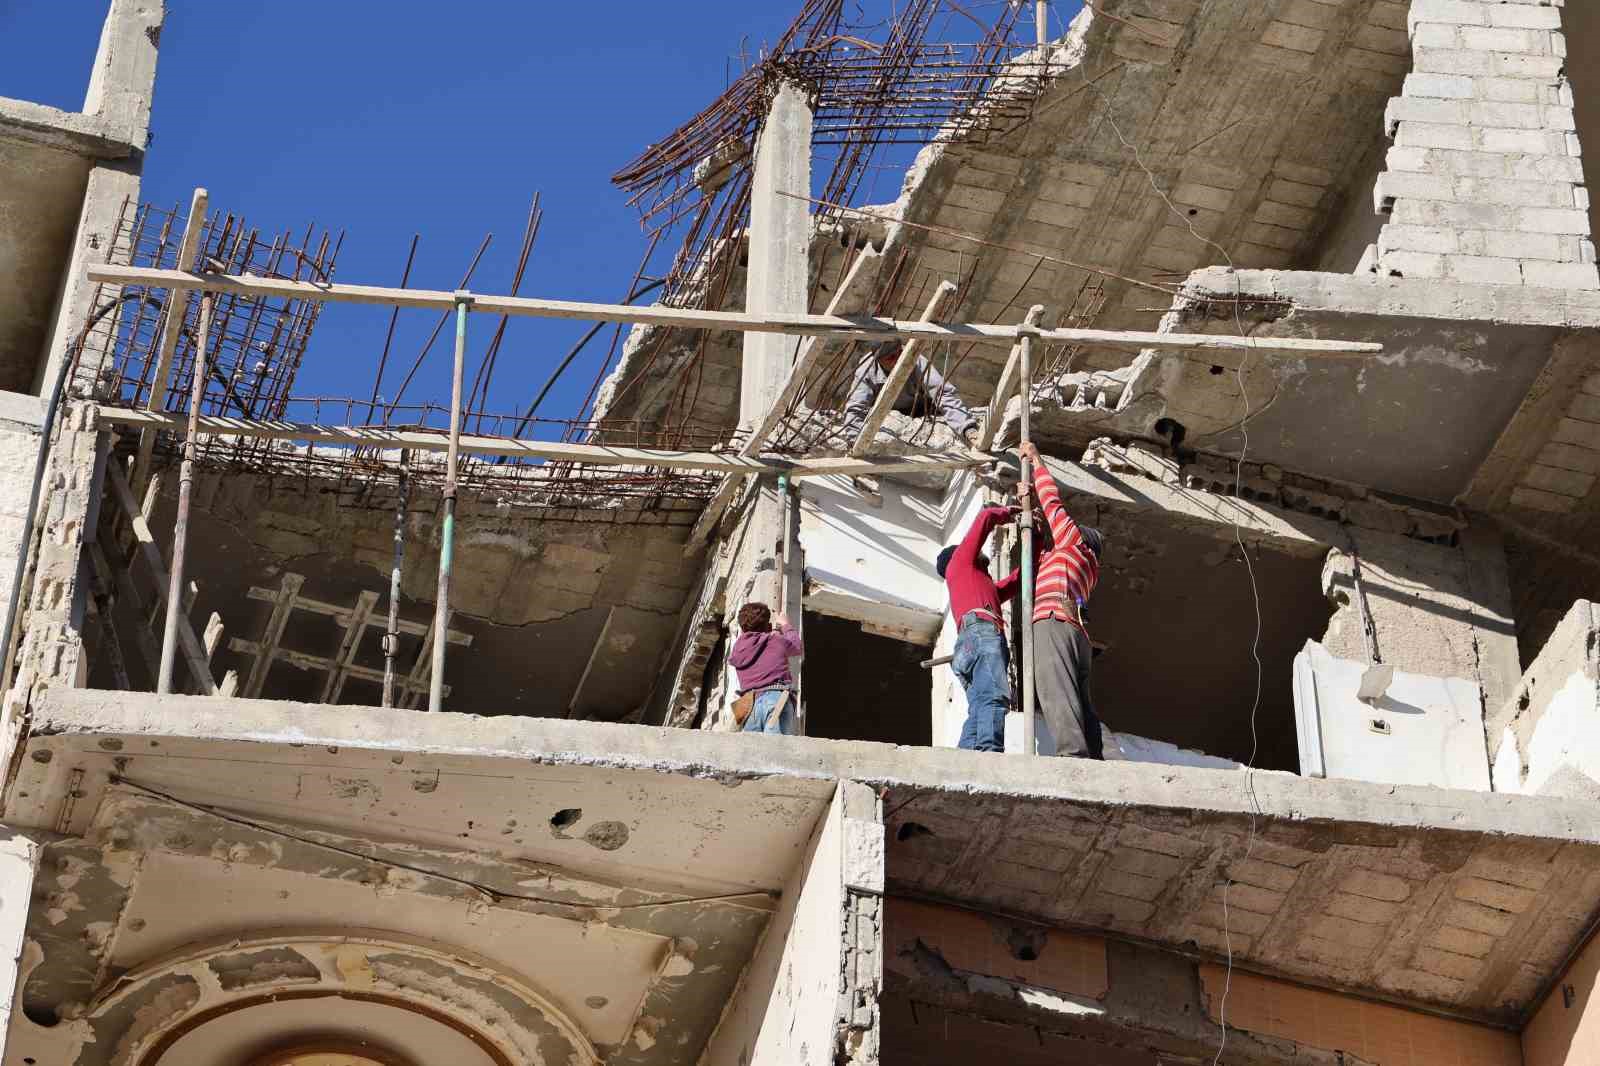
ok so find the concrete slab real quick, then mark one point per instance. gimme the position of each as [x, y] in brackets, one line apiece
[1461, 902]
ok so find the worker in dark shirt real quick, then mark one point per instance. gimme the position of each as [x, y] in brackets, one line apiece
[981, 655]
[925, 394]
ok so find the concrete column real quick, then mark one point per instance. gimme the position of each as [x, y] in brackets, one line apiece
[1485, 180]
[124, 75]
[779, 247]
[780, 236]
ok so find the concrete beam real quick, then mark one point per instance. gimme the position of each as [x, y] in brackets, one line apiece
[686, 318]
[92, 136]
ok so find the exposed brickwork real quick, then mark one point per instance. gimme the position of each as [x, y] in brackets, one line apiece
[1484, 182]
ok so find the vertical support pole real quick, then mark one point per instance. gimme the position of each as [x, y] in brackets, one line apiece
[180, 529]
[1041, 23]
[1025, 385]
[441, 616]
[391, 634]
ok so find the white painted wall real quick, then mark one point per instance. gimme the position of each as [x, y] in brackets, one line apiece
[20, 419]
[788, 1002]
[873, 563]
[19, 859]
[1565, 740]
[1435, 726]
[1546, 738]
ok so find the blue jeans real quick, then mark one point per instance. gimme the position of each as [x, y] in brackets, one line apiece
[980, 662]
[762, 720]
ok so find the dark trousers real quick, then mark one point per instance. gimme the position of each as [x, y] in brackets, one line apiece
[1061, 658]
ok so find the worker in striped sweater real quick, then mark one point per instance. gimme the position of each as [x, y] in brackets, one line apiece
[1065, 577]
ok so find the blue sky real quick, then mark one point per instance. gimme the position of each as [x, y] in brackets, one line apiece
[388, 119]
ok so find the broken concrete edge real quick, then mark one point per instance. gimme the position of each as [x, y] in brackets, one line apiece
[1460, 302]
[90, 136]
[74, 713]
[1570, 656]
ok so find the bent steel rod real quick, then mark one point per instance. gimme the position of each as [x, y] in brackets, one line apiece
[180, 529]
[441, 613]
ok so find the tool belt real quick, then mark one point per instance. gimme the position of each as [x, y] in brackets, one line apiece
[747, 703]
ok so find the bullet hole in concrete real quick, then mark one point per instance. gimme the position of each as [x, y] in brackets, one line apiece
[908, 830]
[607, 836]
[42, 1015]
[1025, 944]
[596, 1002]
[136, 926]
[1193, 211]
[29, 1061]
[565, 817]
[43, 755]
[1216, 370]
[111, 744]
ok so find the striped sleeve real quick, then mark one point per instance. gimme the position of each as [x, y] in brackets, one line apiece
[1063, 530]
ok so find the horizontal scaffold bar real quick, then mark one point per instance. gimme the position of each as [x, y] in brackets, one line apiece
[589, 454]
[688, 318]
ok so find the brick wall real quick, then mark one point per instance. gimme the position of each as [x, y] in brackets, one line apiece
[1484, 181]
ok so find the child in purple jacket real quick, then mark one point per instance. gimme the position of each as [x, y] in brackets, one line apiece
[761, 659]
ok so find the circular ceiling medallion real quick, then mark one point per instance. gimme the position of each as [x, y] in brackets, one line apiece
[331, 1053]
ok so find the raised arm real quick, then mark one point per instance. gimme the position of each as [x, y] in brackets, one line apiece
[971, 545]
[951, 407]
[792, 646]
[1063, 530]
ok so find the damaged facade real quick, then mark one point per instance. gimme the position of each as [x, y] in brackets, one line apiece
[1346, 627]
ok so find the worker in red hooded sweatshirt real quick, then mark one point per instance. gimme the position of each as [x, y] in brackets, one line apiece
[760, 658]
[981, 655]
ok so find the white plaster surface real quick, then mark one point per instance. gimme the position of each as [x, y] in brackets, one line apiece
[870, 562]
[18, 450]
[19, 858]
[783, 1012]
[1434, 726]
[1566, 737]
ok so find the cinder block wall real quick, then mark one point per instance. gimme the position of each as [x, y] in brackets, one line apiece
[1484, 182]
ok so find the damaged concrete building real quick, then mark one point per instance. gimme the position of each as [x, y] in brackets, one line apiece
[340, 739]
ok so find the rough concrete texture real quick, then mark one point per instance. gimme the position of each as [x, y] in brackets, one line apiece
[19, 450]
[1029, 988]
[1467, 902]
[1255, 153]
[1543, 738]
[809, 995]
[572, 608]
[646, 892]
[1484, 182]
[41, 196]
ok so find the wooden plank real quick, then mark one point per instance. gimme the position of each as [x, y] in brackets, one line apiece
[354, 630]
[416, 682]
[900, 374]
[689, 318]
[590, 454]
[306, 661]
[1002, 391]
[594, 656]
[177, 308]
[230, 683]
[342, 614]
[193, 652]
[272, 635]
[119, 577]
[856, 289]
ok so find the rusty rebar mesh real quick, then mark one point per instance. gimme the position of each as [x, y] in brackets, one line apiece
[903, 78]
[256, 344]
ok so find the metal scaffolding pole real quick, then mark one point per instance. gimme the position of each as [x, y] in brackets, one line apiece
[441, 617]
[1025, 374]
[180, 529]
[391, 635]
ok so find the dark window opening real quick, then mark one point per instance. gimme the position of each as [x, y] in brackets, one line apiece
[860, 686]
